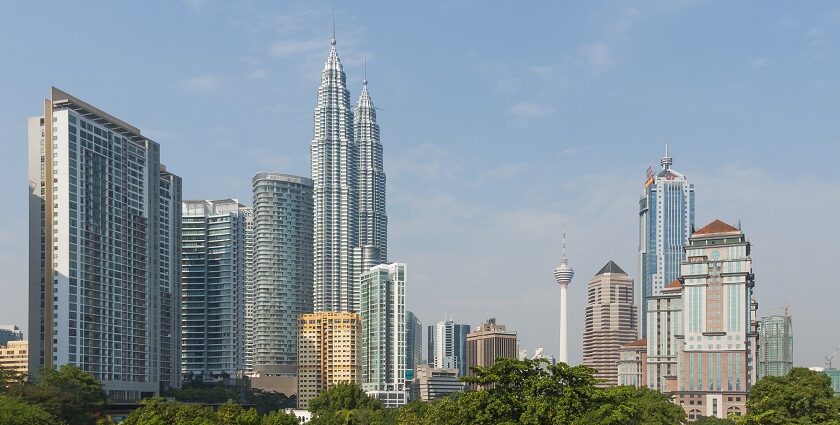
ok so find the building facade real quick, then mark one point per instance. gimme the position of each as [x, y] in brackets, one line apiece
[632, 364]
[335, 177]
[488, 342]
[212, 288]
[610, 322]
[14, 356]
[282, 268]
[10, 333]
[248, 215]
[373, 221]
[775, 347]
[432, 383]
[716, 363]
[448, 346]
[413, 344]
[103, 289]
[666, 219]
[665, 336]
[383, 333]
[328, 345]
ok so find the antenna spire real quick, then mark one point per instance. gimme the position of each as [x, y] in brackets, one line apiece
[332, 41]
[564, 242]
[364, 82]
[667, 161]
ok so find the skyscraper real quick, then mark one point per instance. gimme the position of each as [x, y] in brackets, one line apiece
[383, 333]
[610, 322]
[448, 346]
[103, 250]
[329, 344]
[248, 214]
[665, 335]
[373, 222]
[413, 344]
[213, 288]
[563, 275]
[282, 264]
[666, 219]
[487, 343]
[775, 348]
[335, 170]
[716, 364]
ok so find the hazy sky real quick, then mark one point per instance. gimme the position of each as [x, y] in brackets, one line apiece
[501, 122]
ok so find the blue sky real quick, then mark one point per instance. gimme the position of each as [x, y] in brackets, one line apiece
[500, 122]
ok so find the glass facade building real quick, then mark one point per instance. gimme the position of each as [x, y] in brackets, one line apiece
[666, 220]
[448, 346]
[104, 263]
[775, 346]
[413, 344]
[212, 288]
[282, 267]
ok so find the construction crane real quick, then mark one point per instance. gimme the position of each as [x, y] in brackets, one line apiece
[828, 359]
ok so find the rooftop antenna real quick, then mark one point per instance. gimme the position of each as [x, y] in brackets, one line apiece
[564, 241]
[364, 82]
[333, 25]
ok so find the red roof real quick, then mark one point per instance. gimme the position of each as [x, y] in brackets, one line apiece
[716, 226]
[675, 284]
[637, 343]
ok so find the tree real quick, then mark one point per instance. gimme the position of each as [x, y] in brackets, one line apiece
[631, 406]
[711, 420]
[158, 411]
[342, 396]
[801, 397]
[69, 393]
[279, 417]
[14, 411]
[10, 377]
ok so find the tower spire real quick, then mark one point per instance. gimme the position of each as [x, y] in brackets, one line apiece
[332, 41]
[667, 161]
[564, 244]
[364, 82]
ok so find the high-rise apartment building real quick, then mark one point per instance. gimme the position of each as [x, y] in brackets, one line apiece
[383, 333]
[487, 343]
[248, 215]
[448, 346]
[103, 287]
[666, 219]
[282, 268]
[10, 333]
[775, 347]
[413, 344]
[335, 177]
[328, 352]
[610, 322]
[373, 222]
[716, 363]
[665, 336]
[212, 288]
[632, 363]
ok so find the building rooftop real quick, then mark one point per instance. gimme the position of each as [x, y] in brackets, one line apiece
[716, 227]
[675, 284]
[610, 267]
[637, 343]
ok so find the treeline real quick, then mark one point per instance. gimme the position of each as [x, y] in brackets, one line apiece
[528, 392]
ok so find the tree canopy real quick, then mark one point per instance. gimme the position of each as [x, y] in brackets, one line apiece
[67, 393]
[802, 397]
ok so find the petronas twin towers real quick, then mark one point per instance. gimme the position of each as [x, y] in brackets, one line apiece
[351, 227]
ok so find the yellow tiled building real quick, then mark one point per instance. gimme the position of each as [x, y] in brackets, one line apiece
[15, 356]
[329, 347]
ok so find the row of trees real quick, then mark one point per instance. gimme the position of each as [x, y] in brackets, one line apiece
[528, 392]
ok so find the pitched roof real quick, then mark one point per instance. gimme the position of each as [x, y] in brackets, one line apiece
[675, 284]
[716, 226]
[637, 343]
[610, 267]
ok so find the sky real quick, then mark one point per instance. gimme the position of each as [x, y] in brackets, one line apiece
[502, 122]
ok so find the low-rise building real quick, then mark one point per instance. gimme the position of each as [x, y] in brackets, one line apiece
[632, 363]
[14, 355]
[432, 382]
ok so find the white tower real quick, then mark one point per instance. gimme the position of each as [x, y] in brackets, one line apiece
[563, 275]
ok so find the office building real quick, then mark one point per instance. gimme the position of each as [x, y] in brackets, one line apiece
[10, 333]
[212, 289]
[373, 221]
[563, 275]
[432, 383]
[335, 177]
[610, 322]
[632, 363]
[775, 347]
[487, 343]
[104, 251]
[448, 346]
[14, 356]
[716, 364]
[329, 345]
[282, 269]
[666, 219]
[383, 333]
[413, 344]
[665, 336]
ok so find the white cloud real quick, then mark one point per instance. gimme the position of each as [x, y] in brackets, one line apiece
[256, 74]
[530, 110]
[597, 54]
[202, 83]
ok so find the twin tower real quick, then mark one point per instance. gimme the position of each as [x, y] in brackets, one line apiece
[350, 224]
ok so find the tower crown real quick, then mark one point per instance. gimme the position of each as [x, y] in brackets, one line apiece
[564, 273]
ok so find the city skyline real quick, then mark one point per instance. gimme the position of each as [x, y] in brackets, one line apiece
[446, 243]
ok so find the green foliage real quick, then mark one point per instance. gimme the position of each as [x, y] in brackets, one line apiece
[705, 420]
[69, 394]
[344, 403]
[158, 411]
[194, 391]
[631, 406]
[801, 397]
[10, 377]
[14, 411]
[279, 417]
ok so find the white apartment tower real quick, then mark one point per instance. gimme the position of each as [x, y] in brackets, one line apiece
[104, 259]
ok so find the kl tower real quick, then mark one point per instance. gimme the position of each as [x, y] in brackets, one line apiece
[563, 275]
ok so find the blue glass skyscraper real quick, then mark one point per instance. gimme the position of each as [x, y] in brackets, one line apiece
[666, 220]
